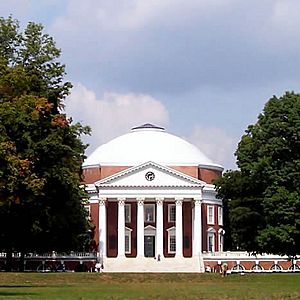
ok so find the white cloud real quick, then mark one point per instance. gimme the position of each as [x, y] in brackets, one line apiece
[216, 144]
[286, 14]
[113, 114]
[133, 14]
[281, 28]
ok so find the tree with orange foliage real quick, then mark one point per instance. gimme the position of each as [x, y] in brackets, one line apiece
[40, 149]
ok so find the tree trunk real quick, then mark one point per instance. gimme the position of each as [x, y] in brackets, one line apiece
[8, 266]
[21, 262]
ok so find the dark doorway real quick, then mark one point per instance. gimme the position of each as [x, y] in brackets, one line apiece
[149, 246]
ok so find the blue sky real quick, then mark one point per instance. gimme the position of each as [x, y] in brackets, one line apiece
[202, 68]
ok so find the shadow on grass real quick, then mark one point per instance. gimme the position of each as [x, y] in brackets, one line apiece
[8, 290]
[16, 293]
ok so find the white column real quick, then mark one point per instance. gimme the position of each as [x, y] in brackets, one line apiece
[179, 235]
[197, 238]
[121, 227]
[140, 227]
[159, 228]
[102, 227]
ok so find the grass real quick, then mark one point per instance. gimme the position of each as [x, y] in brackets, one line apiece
[86, 286]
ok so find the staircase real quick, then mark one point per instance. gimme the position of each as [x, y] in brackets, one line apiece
[146, 264]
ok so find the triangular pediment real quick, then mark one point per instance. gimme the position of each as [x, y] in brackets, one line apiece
[149, 174]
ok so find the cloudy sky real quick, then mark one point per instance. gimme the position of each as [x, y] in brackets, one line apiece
[202, 68]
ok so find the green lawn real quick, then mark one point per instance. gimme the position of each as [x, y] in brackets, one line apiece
[148, 286]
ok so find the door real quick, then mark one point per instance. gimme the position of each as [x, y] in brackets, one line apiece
[149, 246]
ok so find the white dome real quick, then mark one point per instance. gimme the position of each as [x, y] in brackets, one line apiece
[148, 143]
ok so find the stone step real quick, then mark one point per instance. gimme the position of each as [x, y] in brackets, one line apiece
[144, 264]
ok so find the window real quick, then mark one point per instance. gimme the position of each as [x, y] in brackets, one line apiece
[294, 267]
[221, 240]
[238, 268]
[210, 239]
[257, 268]
[171, 240]
[127, 213]
[172, 244]
[220, 215]
[211, 233]
[128, 240]
[149, 212]
[127, 243]
[276, 268]
[171, 213]
[210, 215]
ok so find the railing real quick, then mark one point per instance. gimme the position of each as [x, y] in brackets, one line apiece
[240, 254]
[53, 254]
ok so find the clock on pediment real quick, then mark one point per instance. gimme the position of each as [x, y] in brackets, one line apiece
[150, 176]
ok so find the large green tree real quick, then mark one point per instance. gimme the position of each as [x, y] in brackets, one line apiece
[41, 152]
[262, 198]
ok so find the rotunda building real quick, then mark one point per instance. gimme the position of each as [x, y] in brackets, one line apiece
[153, 203]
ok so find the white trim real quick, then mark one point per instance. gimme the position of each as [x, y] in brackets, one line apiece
[183, 176]
[276, 267]
[211, 167]
[159, 243]
[121, 227]
[212, 202]
[140, 227]
[238, 267]
[257, 268]
[197, 226]
[102, 227]
[179, 227]
[94, 201]
[152, 193]
[150, 230]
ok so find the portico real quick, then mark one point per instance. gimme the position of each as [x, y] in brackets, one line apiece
[155, 218]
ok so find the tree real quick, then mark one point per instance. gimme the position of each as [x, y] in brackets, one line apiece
[41, 152]
[263, 196]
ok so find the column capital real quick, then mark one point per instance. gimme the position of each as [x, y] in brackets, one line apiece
[198, 201]
[159, 200]
[178, 201]
[121, 200]
[102, 201]
[140, 200]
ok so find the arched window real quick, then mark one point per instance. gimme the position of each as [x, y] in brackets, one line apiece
[276, 268]
[294, 268]
[238, 268]
[221, 233]
[211, 240]
[257, 268]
